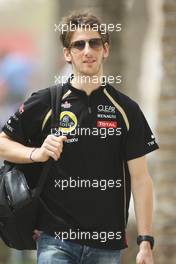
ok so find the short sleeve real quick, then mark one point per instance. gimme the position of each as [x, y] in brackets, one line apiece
[26, 123]
[140, 139]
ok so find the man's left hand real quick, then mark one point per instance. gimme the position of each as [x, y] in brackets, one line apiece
[145, 254]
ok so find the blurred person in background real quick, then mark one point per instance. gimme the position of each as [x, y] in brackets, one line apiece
[15, 75]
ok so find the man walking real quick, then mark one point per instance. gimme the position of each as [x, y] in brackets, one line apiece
[99, 150]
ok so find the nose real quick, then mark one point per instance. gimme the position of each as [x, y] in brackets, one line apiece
[87, 48]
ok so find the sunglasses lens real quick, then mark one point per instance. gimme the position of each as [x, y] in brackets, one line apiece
[78, 45]
[95, 43]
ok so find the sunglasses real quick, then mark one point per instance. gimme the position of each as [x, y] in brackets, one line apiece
[79, 45]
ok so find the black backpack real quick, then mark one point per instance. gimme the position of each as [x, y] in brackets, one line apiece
[18, 222]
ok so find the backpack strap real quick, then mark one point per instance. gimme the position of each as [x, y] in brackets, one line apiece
[56, 97]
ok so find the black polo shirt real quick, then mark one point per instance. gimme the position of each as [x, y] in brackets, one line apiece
[88, 188]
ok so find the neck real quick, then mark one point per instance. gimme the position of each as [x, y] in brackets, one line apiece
[87, 83]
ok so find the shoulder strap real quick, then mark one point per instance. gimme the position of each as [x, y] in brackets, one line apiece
[56, 97]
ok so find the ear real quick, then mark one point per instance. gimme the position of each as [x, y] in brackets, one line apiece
[106, 50]
[67, 55]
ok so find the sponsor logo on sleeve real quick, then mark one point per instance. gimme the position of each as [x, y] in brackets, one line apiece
[151, 143]
[21, 109]
[9, 127]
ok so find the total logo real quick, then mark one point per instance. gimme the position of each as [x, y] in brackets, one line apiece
[106, 124]
[106, 108]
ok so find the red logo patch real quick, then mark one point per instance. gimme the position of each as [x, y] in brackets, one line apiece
[106, 124]
[21, 109]
[66, 105]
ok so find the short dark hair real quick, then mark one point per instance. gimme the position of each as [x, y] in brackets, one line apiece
[85, 19]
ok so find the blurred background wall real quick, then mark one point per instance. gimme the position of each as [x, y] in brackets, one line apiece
[143, 53]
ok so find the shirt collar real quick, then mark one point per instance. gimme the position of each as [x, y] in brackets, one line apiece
[82, 92]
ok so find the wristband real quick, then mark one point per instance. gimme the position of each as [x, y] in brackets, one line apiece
[150, 239]
[30, 157]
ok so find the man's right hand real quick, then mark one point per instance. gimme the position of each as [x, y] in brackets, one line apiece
[51, 147]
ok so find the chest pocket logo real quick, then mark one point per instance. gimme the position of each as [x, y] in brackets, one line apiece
[68, 121]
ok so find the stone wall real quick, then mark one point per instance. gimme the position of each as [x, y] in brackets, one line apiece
[165, 223]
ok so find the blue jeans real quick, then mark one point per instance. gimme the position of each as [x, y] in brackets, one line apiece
[57, 251]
